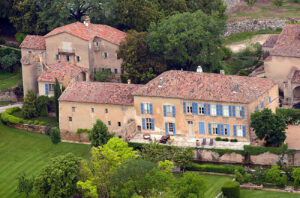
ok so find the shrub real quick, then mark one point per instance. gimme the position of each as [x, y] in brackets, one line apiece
[79, 131]
[273, 175]
[25, 185]
[14, 120]
[55, 135]
[218, 139]
[36, 122]
[2, 41]
[296, 177]
[42, 123]
[291, 116]
[227, 169]
[250, 2]
[258, 176]
[224, 151]
[277, 3]
[29, 109]
[233, 140]
[231, 189]
[20, 37]
[257, 150]
[222, 139]
[242, 176]
[7, 117]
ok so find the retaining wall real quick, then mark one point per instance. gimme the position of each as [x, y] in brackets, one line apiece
[8, 96]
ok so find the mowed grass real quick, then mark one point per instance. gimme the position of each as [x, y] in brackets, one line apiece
[8, 80]
[214, 184]
[22, 151]
[50, 121]
[266, 194]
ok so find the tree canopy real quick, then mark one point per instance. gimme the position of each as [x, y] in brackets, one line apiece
[29, 105]
[187, 40]
[99, 134]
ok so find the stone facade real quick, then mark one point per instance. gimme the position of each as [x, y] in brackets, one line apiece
[8, 96]
[29, 127]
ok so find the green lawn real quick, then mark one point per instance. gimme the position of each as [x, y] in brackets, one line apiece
[8, 80]
[266, 194]
[22, 151]
[51, 121]
[4, 103]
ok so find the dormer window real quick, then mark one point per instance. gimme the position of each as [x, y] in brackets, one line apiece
[68, 58]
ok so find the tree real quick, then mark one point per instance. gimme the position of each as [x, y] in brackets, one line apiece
[251, 2]
[154, 152]
[187, 40]
[99, 135]
[104, 75]
[191, 185]
[58, 178]
[29, 105]
[140, 177]
[57, 93]
[55, 135]
[273, 175]
[166, 166]
[9, 61]
[277, 3]
[25, 185]
[137, 63]
[269, 127]
[183, 157]
[102, 166]
[296, 177]
[42, 103]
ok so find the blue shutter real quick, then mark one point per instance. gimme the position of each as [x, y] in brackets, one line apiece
[256, 108]
[208, 109]
[144, 123]
[222, 129]
[218, 109]
[205, 109]
[47, 89]
[219, 129]
[243, 112]
[151, 109]
[261, 105]
[152, 124]
[174, 129]
[165, 110]
[270, 100]
[142, 108]
[244, 131]
[173, 111]
[184, 107]
[201, 128]
[229, 109]
[233, 111]
[166, 128]
[234, 130]
[221, 109]
[195, 108]
[209, 128]
[228, 129]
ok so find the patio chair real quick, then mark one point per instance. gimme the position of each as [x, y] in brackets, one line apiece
[211, 142]
[204, 142]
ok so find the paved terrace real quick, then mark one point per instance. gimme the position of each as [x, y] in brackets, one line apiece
[191, 142]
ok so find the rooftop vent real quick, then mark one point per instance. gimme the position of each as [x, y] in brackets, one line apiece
[161, 82]
[235, 88]
[222, 72]
[199, 69]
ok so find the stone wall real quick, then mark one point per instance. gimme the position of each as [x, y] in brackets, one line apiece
[249, 25]
[231, 4]
[8, 96]
[29, 127]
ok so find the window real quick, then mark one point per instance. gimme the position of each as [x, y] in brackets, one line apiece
[78, 58]
[70, 119]
[189, 107]
[106, 110]
[270, 99]
[119, 124]
[238, 111]
[97, 43]
[261, 104]
[214, 128]
[169, 110]
[171, 128]
[225, 130]
[105, 55]
[43, 54]
[57, 57]
[147, 108]
[73, 109]
[92, 110]
[116, 71]
[201, 108]
[68, 58]
[124, 107]
[226, 110]
[51, 87]
[109, 123]
[213, 109]
[29, 52]
[256, 108]
[239, 130]
[148, 123]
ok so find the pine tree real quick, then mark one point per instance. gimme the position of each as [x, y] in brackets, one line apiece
[29, 105]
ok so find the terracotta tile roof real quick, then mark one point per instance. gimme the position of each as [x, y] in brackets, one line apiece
[29, 59]
[89, 32]
[206, 86]
[257, 71]
[296, 77]
[61, 71]
[34, 42]
[100, 92]
[271, 40]
[288, 43]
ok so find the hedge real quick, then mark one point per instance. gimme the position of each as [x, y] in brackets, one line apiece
[221, 152]
[226, 168]
[257, 150]
[139, 146]
[290, 115]
[231, 189]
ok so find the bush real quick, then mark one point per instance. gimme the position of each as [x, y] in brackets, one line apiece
[55, 135]
[250, 2]
[25, 185]
[242, 176]
[2, 41]
[218, 139]
[231, 189]
[257, 150]
[233, 140]
[227, 169]
[42, 123]
[79, 131]
[277, 3]
[273, 175]
[224, 151]
[20, 37]
[296, 177]
[222, 139]
[291, 116]
[7, 117]
[36, 122]
[258, 177]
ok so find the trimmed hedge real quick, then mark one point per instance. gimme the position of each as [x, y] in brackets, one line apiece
[257, 150]
[221, 152]
[226, 168]
[139, 146]
[231, 189]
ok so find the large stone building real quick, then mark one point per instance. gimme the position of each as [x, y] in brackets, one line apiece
[178, 103]
[283, 64]
[84, 47]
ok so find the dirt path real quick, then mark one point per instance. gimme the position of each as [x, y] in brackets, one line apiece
[236, 47]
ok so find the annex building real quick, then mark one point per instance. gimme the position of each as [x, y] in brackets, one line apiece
[191, 105]
[73, 52]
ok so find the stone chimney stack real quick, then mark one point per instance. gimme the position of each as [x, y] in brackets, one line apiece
[161, 82]
[222, 72]
[128, 81]
[199, 69]
[87, 20]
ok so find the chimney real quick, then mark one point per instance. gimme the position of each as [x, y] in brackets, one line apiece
[199, 69]
[87, 21]
[222, 72]
[128, 81]
[235, 88]
[161, 82]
